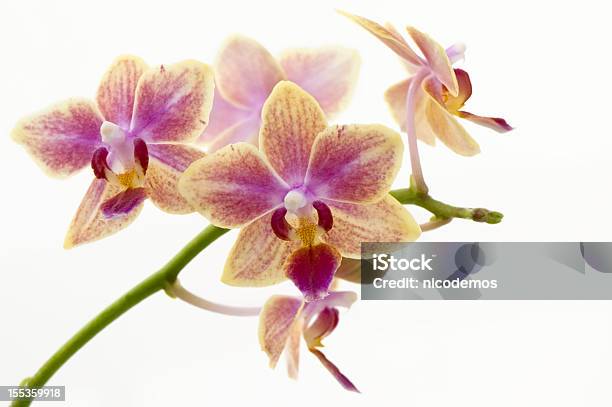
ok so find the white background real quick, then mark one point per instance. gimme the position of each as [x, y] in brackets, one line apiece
[543, 66]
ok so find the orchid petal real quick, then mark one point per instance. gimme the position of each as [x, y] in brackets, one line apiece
[168, 162]
[456, 52]
[329, 74]
[312, 269]
[354, 163]
[62, 138]
[123, 203]
[291, 119]
[222, 116]
[410, 67]
[89, 224]
[395, 97]
[257, 257]
[400, 47]
[436, 58]
[276, 320]
[116, 91]
[232, 187]
[384, 221]
[246, 72]
[173, 103]
[335, 371]
[246, 130]
[496, 123]
[449, 131]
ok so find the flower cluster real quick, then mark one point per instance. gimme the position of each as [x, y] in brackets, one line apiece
[304, 193]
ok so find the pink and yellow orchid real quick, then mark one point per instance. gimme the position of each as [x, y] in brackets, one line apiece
[133, 137]
[427, 102]
[312, 194]
[245, 73]
[284, 319]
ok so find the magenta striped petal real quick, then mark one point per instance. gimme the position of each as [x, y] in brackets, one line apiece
[312, 269]
[291, 119]
[354, 163]
[167, 164]
[116, 91]
[124, 202]
[89, 224]
[173, 103]
[329, 74]
[62, 138]
[246, 72]
[232, 187]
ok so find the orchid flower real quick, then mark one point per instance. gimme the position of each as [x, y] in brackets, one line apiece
[245, 73]
[426, 104]
[133, 137]
[438, 90]
[310, 194]
[284, 319]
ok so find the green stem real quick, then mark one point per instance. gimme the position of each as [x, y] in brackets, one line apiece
[168, 274]
[152, 284]
[441, 210]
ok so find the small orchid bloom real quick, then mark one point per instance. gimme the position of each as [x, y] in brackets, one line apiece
[133, 137]
[284, 319]
[245, 73]
[428, 102]
[310, 194]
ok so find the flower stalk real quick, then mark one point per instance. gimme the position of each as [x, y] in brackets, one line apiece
[442, 211]
[413, 146]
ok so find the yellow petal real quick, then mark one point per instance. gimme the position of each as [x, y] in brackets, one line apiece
[449, 131]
